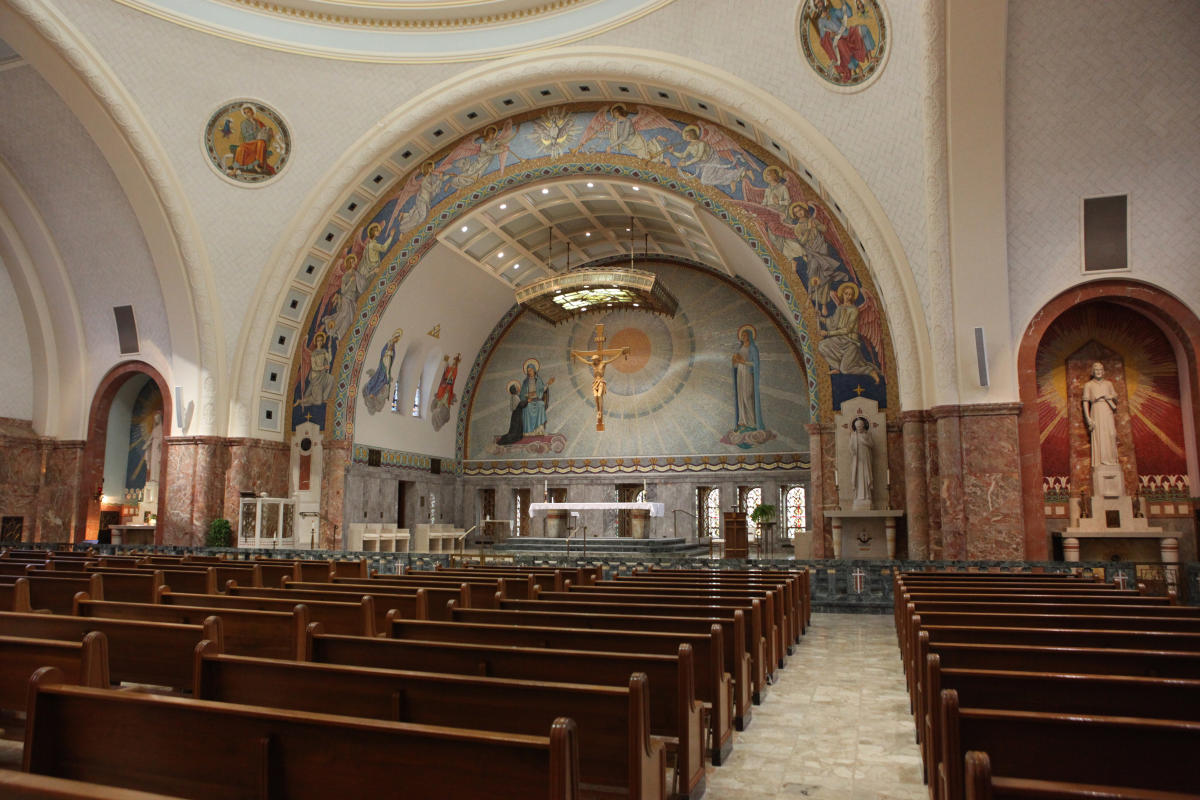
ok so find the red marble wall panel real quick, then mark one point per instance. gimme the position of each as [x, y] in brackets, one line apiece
[994, 522]
[254, 466]
[194, 491]
[58, 497]
[823, 461]
[949, 457]
[39, 481]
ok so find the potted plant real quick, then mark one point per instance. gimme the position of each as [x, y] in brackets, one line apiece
[220, 533]
[763, 514]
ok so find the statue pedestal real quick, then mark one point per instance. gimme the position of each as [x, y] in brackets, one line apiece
[864, 533]
[1107, 481]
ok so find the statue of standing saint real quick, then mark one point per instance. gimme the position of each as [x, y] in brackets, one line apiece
[861, 467]
[1099, 407]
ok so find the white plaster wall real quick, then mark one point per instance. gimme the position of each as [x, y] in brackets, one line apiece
[1103, 98]
[16, 365]
[444, 289]
[94, 228]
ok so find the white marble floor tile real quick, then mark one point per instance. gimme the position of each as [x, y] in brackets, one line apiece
[834, 726]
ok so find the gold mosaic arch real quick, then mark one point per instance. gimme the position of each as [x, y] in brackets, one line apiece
[830, 293]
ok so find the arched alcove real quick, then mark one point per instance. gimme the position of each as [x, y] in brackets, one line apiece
[123, 415]
[1150, 340]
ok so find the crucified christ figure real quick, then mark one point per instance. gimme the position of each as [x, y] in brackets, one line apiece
[598, 359]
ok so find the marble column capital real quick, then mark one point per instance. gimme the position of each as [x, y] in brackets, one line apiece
[920, 416]
[975, 410]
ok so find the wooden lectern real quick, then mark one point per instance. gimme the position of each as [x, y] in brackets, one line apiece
[736, 545]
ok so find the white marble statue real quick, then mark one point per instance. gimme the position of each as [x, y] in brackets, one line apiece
[861, 449]
[1099, 407]
[154, 448]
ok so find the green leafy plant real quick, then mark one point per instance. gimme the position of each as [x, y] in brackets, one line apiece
[220, 533]
[763, 514]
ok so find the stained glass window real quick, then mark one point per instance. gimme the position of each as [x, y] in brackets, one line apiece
[753, 498]
[416, 408]
[709, 508]
[396, 395]
[795, 511]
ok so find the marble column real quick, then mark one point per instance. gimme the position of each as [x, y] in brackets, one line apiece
[59, 491]
[333, 493]
[916, 487]
[255, 465]
[980, 488]
[823, 468]
[194, 491]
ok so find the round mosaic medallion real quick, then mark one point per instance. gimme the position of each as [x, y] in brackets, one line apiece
[247, 141]
[844, 41]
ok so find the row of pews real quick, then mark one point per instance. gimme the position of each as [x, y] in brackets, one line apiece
[280, 680]
[1040, 686]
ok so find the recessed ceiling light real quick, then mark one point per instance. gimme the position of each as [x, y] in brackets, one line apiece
[637, 188]
[516, 266]
[545, 191]
[635, 305]
[589, 233]
[463, 228]
[503, 206]
[500, 254]
[627, 230]
[590, 185]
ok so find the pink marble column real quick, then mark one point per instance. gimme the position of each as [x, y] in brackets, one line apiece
[824, 492]
[916, 487]
[58, 495]
[333, 493]
[194, 489]
[255, 465]
[980, 482]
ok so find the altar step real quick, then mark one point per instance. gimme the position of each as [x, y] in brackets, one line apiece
[598, 545]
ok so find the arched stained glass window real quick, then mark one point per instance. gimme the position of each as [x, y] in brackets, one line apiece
[795, 511]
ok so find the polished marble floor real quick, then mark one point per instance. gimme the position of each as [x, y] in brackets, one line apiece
[835, 724]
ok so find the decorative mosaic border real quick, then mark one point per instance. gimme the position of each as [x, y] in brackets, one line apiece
[402, 459]
[765, 462]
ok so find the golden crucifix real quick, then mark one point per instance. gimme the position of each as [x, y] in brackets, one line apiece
[598, 359]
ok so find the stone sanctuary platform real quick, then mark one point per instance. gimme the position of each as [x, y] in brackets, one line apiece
[600, 545]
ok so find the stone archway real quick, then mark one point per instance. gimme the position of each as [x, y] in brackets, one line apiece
[1181, 327]
[92, 467]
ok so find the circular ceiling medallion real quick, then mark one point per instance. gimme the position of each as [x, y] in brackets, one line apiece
[846, 42]
[247, 142]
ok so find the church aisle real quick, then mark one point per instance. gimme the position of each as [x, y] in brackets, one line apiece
[835, 725]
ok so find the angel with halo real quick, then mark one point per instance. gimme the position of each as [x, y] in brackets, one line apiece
[713, 156]
[472, 157]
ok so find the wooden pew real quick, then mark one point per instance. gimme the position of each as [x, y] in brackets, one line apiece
[772, 634]
[124, 587]
[796, 588]
[713, 683]
[1061, 693]
[413, 605]
[517, 587]
[578, 575]
[310, 569]
[802, 577]
[55, 594]
[83, 662]
[201, 580]
[982, 785]
[356, 568]
[437, 596]
[755, 643]
[17, 568]
[15, 596]
[546, 580]
[23, 786]
[153, 653]
[347, 618]
[736, 658]
[483, 593]
[1106, 750]
[256, 752]
[266, 634]
[675, 712]
[616, 751]
[778, 601]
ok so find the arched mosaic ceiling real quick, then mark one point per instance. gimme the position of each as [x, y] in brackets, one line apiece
[807, 250]
[400, 31]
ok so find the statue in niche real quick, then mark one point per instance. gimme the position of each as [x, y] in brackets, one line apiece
[861, 453]
[1099, 407]
[154, 448]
